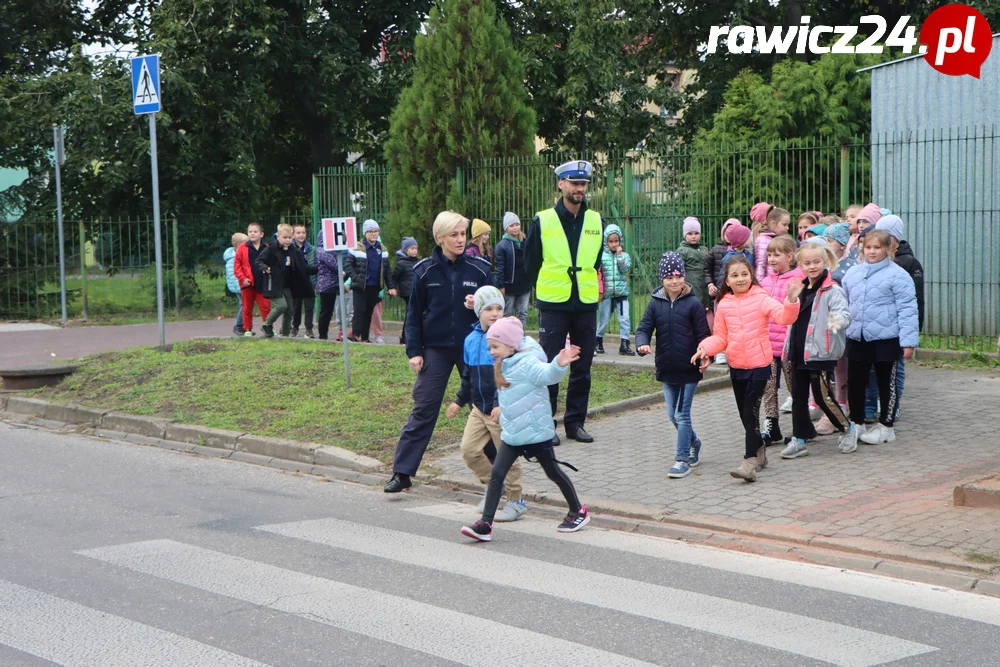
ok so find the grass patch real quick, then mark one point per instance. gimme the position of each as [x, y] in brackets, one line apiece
[285, 389]
[985, 559]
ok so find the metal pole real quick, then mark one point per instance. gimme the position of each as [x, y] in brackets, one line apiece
[343, 316]
[83, 273]
[58, 139]
[157, 241]
[177, 270]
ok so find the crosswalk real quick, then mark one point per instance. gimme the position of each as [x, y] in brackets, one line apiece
[66, 632]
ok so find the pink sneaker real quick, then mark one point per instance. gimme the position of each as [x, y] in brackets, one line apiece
[825, 427]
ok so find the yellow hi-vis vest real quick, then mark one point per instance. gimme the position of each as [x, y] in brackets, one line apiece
[555, 278]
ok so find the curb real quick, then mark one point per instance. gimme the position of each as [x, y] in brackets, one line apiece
[921, 354]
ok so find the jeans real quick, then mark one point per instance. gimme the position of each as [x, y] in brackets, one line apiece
[620, 305]
[239, 309]
[678, 399]
[517, 306]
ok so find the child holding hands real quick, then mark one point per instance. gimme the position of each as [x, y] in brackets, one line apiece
[523, 374]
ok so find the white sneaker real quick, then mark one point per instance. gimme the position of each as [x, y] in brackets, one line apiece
[512, 511]
[848, 442]
[720, 359]
[878, 434]
[379, 340]
[795, 449]
[786, 407]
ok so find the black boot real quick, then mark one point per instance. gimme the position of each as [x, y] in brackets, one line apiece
[625, 349]
[600, 345]
[772, 432]
[398, 482]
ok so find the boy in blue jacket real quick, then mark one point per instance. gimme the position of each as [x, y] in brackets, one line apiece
[482, 431]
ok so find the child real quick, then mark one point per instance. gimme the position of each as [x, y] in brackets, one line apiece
[285, 274]
[775, 224]
[250, 277]
[482, 430]
[838, 237]
[522, 377]
[402, 276]
[479, 245]
[742, 314]
[328, 288]
[232, 282]
[713, 266]
[511, 275]
[780, 274]
[902, 255]
[814, 231]
[884, 325]
[678, 317]
[851, 218]
[694, 255]
[368, 268]
[738, 238]
[806, 220]
[814, 344]
[307, 300]
[616, 264]
[376, 329]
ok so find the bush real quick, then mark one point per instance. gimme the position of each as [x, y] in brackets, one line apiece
[190, 291]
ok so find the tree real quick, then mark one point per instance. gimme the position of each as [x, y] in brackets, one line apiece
[467, 102]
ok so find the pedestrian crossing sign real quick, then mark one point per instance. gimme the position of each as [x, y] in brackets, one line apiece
[146, 84]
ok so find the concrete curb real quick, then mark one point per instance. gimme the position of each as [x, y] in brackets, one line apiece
[922, 354]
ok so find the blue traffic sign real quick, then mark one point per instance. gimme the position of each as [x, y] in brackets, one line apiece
[146, 84]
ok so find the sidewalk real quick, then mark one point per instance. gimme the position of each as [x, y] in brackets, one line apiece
[893, 499]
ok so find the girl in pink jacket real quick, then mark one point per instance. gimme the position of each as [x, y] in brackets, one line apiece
[780, 274]
[775, 224]
[743, 312]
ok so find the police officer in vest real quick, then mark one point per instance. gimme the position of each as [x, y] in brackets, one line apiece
[562, 253]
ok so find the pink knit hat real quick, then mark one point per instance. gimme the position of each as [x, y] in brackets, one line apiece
[871, 213]
[736, 234]
[726, 224]
[759, 211]
[691, 224]
[508, 331]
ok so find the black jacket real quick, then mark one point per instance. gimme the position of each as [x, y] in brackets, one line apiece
[402, 275]
[532, 245]
[356, 267]
[906, 261]
[713, 264]
[437, 316]
[680, 325]
[289, 270]
[510, 274]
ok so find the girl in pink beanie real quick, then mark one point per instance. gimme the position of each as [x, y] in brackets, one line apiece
[523, 375]
[759, 211]
[774, 224]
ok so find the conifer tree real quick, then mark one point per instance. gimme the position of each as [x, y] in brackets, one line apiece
[467, 102]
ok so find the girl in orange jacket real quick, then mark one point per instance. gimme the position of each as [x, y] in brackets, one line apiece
[743, 311]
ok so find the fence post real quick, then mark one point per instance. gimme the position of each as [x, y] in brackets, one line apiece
[83, 273]
[460, 181]
[844, 176]
[627, 223]
[177, 271]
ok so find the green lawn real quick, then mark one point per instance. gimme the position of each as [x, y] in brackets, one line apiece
[284, 388]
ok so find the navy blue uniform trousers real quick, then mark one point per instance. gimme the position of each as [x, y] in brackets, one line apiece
[581, 326]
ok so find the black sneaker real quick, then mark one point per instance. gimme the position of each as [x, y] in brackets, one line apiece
[574, 521]
[268, 331]
[480, 530]
[294, 332]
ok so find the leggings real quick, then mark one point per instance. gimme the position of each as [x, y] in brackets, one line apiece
[857, 381]
[327, 308]
[823, 391]
[505, 457]
[778, 367]
[748, 395]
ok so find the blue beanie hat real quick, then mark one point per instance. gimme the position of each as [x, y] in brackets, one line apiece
[671, 264]
[407, 243]
[839, 232]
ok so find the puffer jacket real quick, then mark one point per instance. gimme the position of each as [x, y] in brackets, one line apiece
[720, 278]
[679, 325]
[616, 267]
[760, 254]
[883, 303]
[525, 408]
[741, 327]
[328, 273]
[402, 274]
[821, 343]
[713, 263]
[232, 283]
[905, 259]
[356, 266]
[776, 285]
[694, 257]
[478, 384]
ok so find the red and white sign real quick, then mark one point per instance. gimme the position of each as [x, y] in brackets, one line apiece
[343, 232]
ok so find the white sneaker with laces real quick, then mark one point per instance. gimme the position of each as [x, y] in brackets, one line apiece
[878, 434]
[795, 449]
[786, 407]
[848, 442]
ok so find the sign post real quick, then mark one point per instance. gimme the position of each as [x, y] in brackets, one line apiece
[57, 136]
[146, 100]
[341, 235]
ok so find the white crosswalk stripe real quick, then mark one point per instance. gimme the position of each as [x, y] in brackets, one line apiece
[444, 633]
[71, 634]
[913, 594]
[800, 635]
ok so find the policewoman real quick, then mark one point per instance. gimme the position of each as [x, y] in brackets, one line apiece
[438, 319]
[562, 253]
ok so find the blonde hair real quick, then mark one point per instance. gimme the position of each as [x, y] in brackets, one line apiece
[883, 238]
[285, 228]
[810, 215]
[851, 208]
[774, 214]
[830, 220]
[784, 244]
[447, 221]
[498, 379]
[829, 259]
[238, 238]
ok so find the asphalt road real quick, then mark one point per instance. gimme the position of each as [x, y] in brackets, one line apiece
[114, 554]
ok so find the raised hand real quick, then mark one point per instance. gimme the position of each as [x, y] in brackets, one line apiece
[568, 355]
[794, 290]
